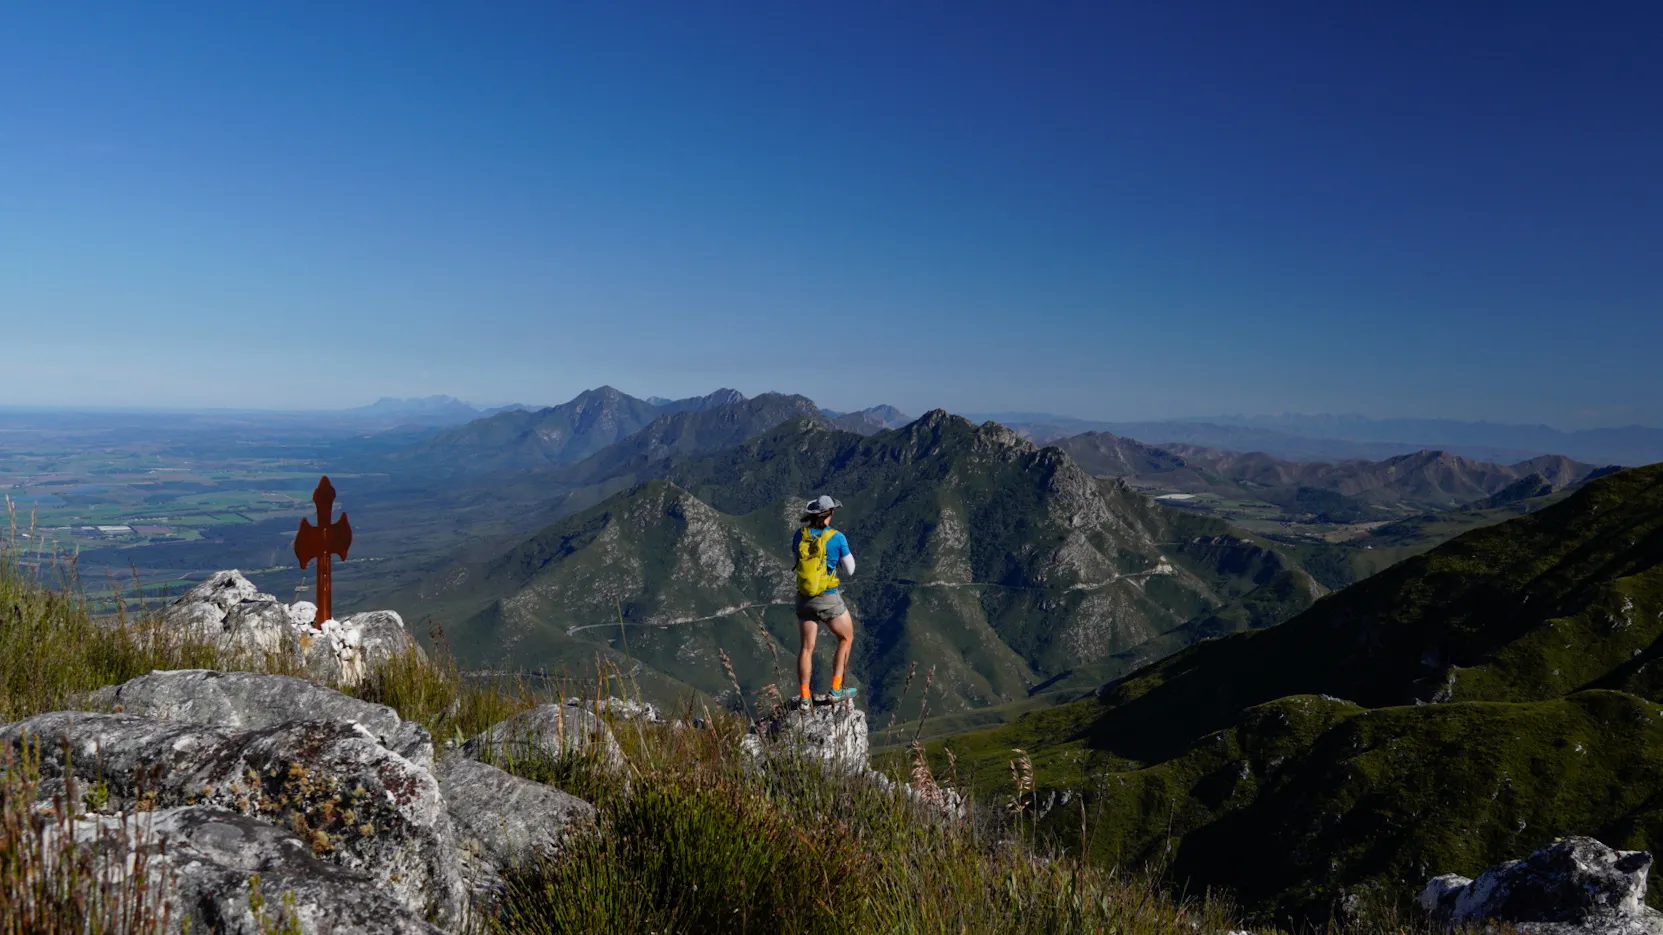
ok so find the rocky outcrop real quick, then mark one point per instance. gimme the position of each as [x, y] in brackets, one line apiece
[247, 701]
[1575, 886]
[361, 641]
[230, 612]
[354, 802]
[503, 821]
[832, 734]
[209, 859]
[547, 732]
[337, 803]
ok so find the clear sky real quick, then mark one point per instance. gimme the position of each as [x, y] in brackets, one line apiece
[1109, 210]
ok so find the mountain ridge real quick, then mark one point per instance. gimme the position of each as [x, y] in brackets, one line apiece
[1421, 480]
[566, 433]
[1325, 437]
[1472, 702]
[1002, 560]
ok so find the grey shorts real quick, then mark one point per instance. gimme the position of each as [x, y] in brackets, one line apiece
[822, 607]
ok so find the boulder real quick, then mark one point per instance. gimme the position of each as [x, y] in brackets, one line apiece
[1575, 885]
[503, 822]
[620, 709]
[249, 700]
[223, 590]
[548, 731]
[212, 857]
[381, 635]
[229, 611]
[833, 734]
[356, 804]
[345, 651]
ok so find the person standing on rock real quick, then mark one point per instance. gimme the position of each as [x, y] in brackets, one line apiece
[822, 554]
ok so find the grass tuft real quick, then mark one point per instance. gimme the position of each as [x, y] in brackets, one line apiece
[51, 886]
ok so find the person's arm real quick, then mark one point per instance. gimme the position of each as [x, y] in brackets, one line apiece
[846, 561]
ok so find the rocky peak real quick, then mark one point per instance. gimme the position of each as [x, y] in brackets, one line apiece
[993, 435]
[936, 419]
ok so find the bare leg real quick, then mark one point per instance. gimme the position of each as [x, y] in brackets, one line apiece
[805, 657]
[842, 627]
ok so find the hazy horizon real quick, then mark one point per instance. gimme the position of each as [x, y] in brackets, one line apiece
[1016, 415]
[1141, 212]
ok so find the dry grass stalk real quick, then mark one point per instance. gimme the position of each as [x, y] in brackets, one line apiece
[905, 688]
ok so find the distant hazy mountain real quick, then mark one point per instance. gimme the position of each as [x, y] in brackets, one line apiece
[1425, 480]
[568, 432]
[1628, 445]
[1000, 563]
[1246, 438]
[868, 421]
[427, 410]
[1333, 438]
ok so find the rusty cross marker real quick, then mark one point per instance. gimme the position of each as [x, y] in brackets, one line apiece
[320, 541]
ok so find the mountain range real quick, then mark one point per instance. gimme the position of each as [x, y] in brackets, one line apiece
[1418, 482]
[420, 411]
[1335, 438]
[1627, 445]
[1013, 625]
[1002, 563]
[1465, 705]
[568, 432]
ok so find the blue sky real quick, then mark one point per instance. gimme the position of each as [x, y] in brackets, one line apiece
[1125, 211]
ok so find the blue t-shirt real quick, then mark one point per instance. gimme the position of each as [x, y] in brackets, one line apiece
[835, 549]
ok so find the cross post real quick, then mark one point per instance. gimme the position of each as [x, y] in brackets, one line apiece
[320, 541]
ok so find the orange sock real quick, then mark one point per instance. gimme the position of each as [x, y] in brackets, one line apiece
[837, 683]
[806, 692]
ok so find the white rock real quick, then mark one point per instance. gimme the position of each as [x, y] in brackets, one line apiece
[303, 614]
[1575, 886]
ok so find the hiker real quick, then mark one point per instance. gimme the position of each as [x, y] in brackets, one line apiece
[822, 553]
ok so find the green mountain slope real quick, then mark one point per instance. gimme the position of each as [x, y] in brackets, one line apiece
[1497, 691]
[1002, 564]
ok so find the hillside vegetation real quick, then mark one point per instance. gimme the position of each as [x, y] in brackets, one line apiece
[697, 840]
[1462, 707]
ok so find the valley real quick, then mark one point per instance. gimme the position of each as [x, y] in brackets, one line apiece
[526, 535]
[1475, 700]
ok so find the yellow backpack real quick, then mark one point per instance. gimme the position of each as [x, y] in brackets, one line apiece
[813, 578]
